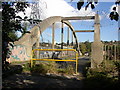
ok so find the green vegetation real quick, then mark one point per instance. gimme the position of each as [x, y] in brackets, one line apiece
[85, 47]
[68, 70]
[11, 22]
[48, 67]
[107, 76]
[113, 15]
[44, 67]
[19, 62]
[112, 50]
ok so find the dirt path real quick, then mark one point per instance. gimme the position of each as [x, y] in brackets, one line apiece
[27, 80]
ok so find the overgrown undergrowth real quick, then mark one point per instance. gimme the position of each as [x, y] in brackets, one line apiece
[106, 76]
[49, 67]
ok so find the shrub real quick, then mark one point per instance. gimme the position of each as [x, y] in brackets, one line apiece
[39, 69]
[102, 77]
[43, 67]
[26, 67]
[68, 70]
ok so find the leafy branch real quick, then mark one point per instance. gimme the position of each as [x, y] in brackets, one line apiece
[113, 15]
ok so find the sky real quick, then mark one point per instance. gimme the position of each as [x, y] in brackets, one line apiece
[65, 8]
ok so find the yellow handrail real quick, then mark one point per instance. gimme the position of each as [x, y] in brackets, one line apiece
[54, 50]
[76, 60]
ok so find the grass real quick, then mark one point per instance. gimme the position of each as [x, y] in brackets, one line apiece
[20, 62]
[48, 67]
[68, 71]
[106, 76]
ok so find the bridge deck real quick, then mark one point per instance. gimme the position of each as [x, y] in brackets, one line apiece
[84, 30]
[79, 18]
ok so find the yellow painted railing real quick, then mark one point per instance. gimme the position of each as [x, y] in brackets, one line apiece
[47, 59]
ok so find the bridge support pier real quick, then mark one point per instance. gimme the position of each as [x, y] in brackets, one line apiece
[38, 46]
[97, 54]
[97, 46]
[37, 43]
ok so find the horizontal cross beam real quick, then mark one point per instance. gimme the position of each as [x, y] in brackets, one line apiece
[84, 30]
[79, 18]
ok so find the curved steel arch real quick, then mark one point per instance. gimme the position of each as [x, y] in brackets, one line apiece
[72, 29]
[49, 21]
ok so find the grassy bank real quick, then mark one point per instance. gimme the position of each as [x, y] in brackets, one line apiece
[49, 67]
[106, 76]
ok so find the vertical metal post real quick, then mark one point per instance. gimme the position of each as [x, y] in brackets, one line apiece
[53, 35]
[68, 37]
[72, 38]
[31, 61]
[76, 62]
[62, 35]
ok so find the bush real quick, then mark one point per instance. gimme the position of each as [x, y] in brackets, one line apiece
[44, 67]
[117, 64]
[102, 77]
[98, 80]
[68, 70]
[39, 69]
[26, 67]
[48, 67]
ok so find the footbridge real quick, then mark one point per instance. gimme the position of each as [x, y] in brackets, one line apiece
[33, 38]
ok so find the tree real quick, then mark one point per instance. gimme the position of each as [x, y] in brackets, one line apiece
[113, 15]
[83, 48]
[88, 46]
[11, 22]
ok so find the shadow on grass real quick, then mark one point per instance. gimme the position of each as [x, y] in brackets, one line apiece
[8, 70]
[97, 79]
[34, 79]
[100, 81]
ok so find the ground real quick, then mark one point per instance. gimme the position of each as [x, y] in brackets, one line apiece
[27, 80]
